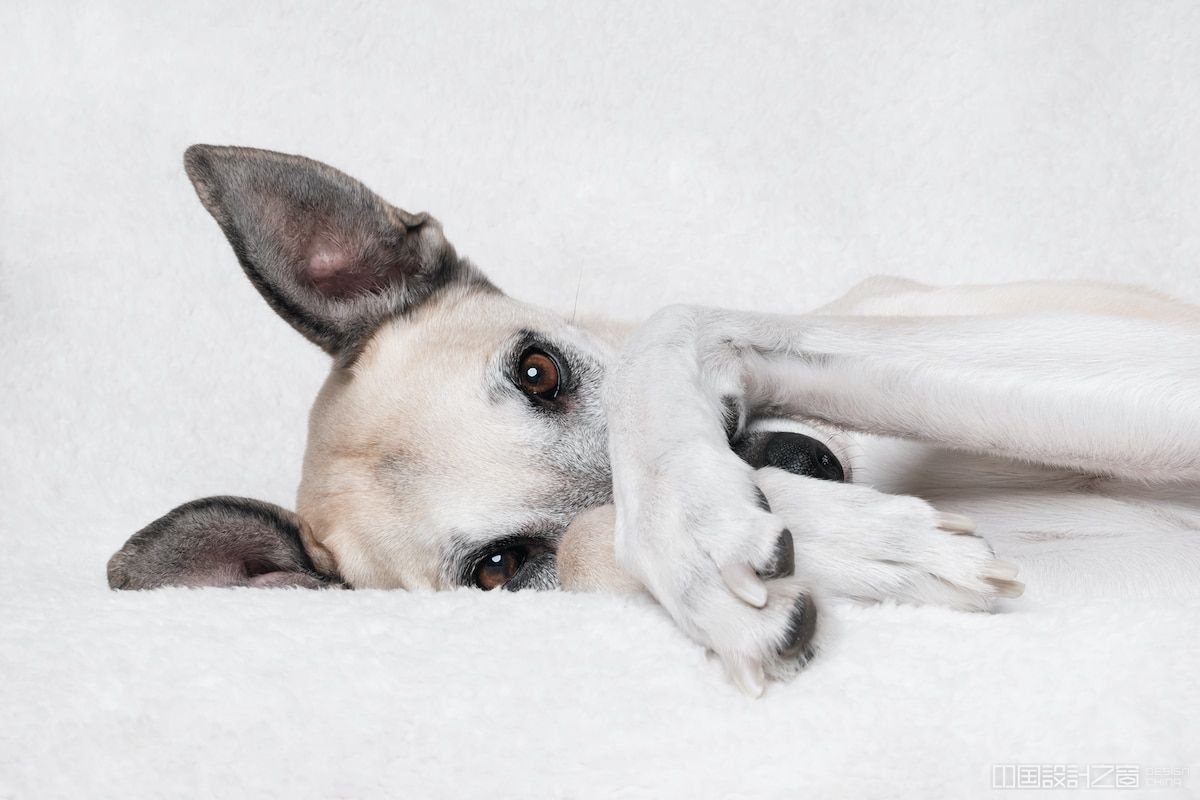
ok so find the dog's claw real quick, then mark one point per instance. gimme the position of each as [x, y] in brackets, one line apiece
[1000, 570]
[801, 625]
[747, 675]
[745, 583]
[955, 523]
[1006, 588]
[1000, 575]
[783, 560]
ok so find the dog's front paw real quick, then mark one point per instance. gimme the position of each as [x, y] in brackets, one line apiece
[855, 542]
[947, 564]
[692, 526]
[694, 529]
[940, 561]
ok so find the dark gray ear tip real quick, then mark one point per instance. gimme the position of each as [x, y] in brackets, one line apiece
[196, 153]
[207, 160]
[206, 163]
[197, 160]
[198, 163]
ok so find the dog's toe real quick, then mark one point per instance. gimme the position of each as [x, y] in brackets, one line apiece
[783, 559]
[802, 625]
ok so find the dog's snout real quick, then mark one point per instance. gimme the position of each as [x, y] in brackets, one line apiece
[794, 452]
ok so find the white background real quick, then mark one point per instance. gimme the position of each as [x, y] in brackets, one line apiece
[756, 155]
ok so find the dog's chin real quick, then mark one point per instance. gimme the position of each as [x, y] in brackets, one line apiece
[586, 559]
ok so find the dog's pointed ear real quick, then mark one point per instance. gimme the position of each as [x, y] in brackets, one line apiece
[330, 256]
[218, 541]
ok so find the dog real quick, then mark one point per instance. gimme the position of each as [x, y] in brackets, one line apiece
[736, 466]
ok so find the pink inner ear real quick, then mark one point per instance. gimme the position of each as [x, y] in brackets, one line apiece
[336, 274]
[335, 260]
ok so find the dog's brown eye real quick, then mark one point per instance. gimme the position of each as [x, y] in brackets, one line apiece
[538, 375]
[496, 569]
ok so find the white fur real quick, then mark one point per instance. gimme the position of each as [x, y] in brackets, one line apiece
[1107, 390]
[768, 157]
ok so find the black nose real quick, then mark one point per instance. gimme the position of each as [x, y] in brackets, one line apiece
[795, 452]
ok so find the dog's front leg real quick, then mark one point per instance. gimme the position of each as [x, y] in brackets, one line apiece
[1112, 396]
[691, 525]
[1100, 395]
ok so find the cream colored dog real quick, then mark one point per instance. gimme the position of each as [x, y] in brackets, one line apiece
[734, 465]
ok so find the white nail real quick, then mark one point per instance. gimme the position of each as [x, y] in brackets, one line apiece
[955, 522]
[744, 583]
[1002, 570]
[1011, 589]
[747, 675]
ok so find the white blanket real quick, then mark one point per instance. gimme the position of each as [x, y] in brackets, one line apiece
[631, 155]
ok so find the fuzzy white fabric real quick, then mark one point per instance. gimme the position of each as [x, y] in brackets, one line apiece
[764, 156]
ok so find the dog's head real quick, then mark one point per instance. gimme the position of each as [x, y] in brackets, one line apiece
[459, 432]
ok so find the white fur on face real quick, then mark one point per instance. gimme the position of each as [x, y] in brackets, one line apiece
[423, 444]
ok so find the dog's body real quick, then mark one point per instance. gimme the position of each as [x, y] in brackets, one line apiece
[754, 461]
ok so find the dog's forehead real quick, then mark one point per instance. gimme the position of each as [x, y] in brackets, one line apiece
[463, 330]
[426, 386]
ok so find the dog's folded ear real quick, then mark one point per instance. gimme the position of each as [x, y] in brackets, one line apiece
[330, 256]
[218, 541]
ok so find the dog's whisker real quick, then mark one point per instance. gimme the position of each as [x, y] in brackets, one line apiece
[578, 285]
